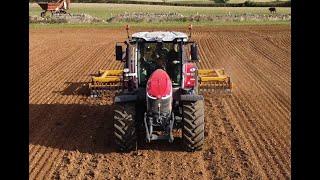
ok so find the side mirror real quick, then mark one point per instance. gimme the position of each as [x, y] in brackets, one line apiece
[194, 52]
[119, 52]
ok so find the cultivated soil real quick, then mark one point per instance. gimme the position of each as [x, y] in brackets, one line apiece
[247, 134]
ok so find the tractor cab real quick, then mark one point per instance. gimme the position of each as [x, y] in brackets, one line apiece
[159, 50]
[159, 55]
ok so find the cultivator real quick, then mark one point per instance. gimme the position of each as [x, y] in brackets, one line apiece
[214, 80]
[106, 81]
[210, 80]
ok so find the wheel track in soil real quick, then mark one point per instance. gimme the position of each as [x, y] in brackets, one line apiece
[224, 152]
[205, 64]
[52, 98]
[58, 76]
[218, 55]
[38, 71]
[89, 46]
[253, 106]
[252, 55]
[233, 139]
[89, 161]
[234, 171]
[262, 89]
[41, 50]
[267, 101]
[247, 145]
[274, 40]
[235, 148]
[273, 156]
[256, 75]
[90, 170]
[66, 139]
[60, 84]
[42, 141]
[247, 99]
[258, 152]
[47, 154]
[93, 161]
[209, 51]
[279, 71]
[266, 48]
[242, 151]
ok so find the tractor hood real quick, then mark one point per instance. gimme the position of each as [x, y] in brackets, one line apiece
[159, 85]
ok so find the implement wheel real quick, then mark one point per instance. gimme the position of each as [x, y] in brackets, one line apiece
[125, 126]
[193, 125]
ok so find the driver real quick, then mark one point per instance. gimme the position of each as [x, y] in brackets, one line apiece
[173, 63]
[173, 54]
[160, 55]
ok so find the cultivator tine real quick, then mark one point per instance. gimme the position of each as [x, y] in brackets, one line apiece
[99, 90]
[108, 82]
[215, 87]
[215, 81]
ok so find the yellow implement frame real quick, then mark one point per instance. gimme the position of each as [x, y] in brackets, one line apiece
[214, 79]
[209, 79]
[107, 80]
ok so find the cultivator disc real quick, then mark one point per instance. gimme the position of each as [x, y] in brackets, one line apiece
[214, 80]
[108, 81]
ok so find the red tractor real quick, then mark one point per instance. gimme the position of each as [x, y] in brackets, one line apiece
[159, 89]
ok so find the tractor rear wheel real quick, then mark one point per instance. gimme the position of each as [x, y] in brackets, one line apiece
[125, 126]
[193, 125]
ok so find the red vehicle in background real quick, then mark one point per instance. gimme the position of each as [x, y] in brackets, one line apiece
[59, 7]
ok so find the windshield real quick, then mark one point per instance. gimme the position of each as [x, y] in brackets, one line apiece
[160, 55]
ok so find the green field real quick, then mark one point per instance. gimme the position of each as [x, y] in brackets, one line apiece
[105, 11]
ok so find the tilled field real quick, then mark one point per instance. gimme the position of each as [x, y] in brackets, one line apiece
[247, 134]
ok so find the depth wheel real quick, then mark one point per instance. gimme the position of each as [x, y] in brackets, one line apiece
[125, 126]
[193, 125]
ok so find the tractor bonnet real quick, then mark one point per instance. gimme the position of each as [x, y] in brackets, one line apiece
[159, 85]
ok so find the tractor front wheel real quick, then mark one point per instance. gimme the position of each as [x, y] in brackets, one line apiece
[125, 126]
[193, 125]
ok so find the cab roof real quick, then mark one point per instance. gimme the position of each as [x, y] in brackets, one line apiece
[160, 36]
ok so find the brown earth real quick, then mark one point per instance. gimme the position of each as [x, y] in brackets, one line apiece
[247, 135]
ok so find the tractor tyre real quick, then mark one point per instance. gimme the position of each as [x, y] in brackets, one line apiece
[125, 126]
[193, 125]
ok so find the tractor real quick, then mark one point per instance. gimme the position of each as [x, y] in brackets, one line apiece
[158, 89]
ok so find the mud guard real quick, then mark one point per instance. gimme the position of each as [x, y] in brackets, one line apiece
[125, 98]
[191, 97]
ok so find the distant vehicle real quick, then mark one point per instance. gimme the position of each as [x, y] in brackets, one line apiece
[59, 7]
[272, 10]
